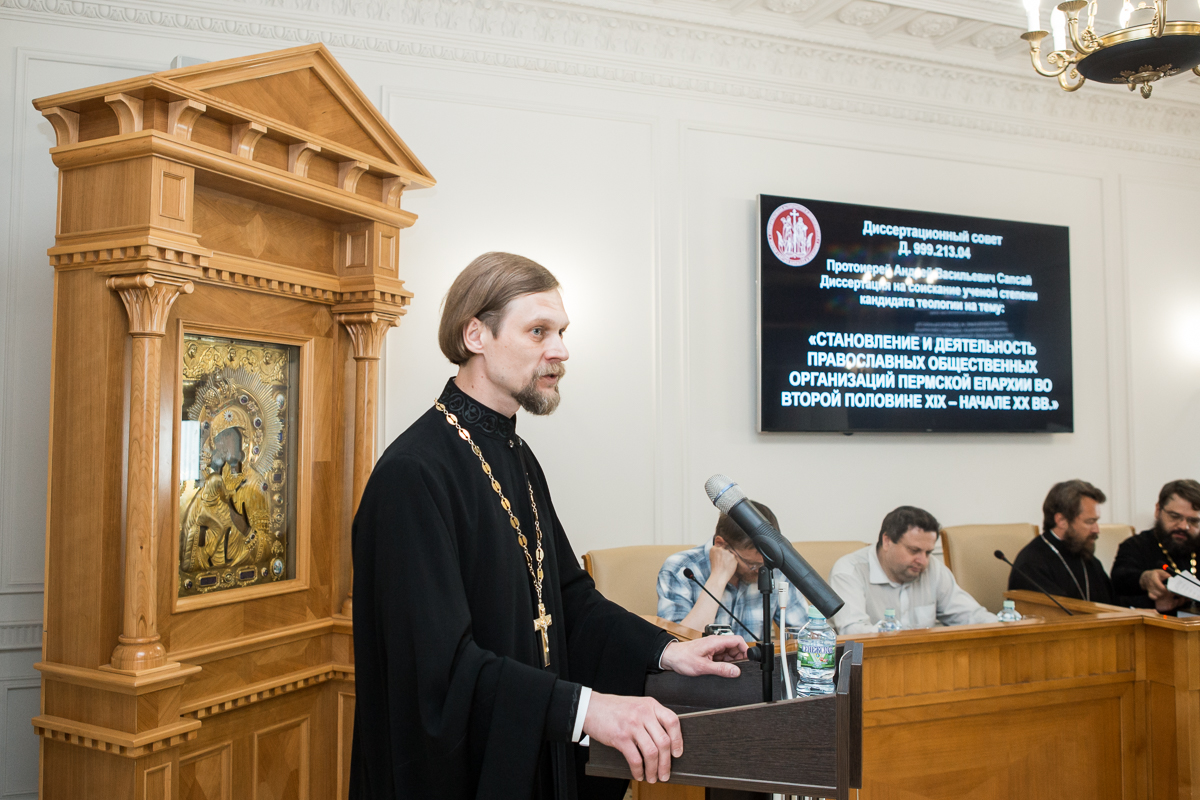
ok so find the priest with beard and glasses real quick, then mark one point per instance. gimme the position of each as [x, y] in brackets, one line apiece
[1061, 559]
[483, 652]
[1172, 543]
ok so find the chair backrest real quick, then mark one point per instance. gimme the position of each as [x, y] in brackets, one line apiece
[822, 555]
[629, 575]
[969, 550]
[1110, 539]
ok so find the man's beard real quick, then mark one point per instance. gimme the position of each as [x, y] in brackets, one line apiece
[1084, 547]
[539, 402]
[1179, 552]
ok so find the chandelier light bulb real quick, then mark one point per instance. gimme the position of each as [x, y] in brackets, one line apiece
[889, 273]
[932, 276]
[908, 281]
[1033, 14]
[1126, 13]
[866, 277]
[1058, 29]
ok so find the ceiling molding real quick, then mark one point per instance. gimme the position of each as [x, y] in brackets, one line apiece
[569, 41]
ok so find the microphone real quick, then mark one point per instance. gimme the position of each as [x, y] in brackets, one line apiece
[777, 552]
[691, 576]
[998, 554]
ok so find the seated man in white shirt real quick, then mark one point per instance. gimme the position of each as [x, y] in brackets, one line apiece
[900, 573]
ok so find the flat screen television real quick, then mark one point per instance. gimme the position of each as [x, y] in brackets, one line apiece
[885, 319]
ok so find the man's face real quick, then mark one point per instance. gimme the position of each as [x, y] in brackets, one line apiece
[1177, 525]
[525, 358]
[1081, 533]
[905, 559]
[748, 560]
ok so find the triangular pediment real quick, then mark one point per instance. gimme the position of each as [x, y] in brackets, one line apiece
[306, 88]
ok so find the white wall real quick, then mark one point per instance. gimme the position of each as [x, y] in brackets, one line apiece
[633, 178]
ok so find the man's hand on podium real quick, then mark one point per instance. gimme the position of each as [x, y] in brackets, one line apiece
[707, 656]
[640, 728]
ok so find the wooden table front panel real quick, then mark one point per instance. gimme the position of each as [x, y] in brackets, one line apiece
[1028, 710]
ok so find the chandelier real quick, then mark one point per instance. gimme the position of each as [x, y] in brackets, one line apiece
[1146, 48]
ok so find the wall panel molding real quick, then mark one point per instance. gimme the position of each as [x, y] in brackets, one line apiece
[26, 58]
[279, 752]
[638, 51]
[21, 635]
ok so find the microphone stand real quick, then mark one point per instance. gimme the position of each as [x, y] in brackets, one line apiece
[766, 585]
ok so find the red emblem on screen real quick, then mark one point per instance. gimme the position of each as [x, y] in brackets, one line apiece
[794, 235]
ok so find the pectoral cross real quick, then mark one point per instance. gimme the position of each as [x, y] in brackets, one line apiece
[541, 625]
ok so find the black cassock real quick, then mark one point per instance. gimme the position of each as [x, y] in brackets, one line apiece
[1048, 562]
[452, 699]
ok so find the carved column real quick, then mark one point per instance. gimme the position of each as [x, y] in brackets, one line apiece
[148, 299]
[367, 331]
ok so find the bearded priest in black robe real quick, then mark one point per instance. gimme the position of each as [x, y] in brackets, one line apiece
[483, 652]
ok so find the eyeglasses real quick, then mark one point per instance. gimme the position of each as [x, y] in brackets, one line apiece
[1192, 522]
[748, 564]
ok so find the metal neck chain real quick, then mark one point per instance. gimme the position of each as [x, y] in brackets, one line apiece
[1084, 594]
[536, 574]
[1175, 566]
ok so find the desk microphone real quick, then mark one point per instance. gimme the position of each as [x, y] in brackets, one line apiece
[691, 576]
[1000, 555]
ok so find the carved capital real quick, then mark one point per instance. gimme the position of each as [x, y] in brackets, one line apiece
[148, 300]
[182, 116]
[367, 331]
[244, 137]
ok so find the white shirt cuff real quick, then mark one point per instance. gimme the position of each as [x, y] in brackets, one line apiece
[585, 697]
[664, 650]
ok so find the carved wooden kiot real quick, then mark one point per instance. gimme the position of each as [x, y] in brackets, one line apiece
[226, 269]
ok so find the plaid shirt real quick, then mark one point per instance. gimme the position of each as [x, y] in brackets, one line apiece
[677, 595]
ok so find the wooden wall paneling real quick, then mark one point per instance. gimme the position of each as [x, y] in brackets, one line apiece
[345, 740]
[263, 232]
[82, 612]
[268, 756]
[157, 783]
[281, 761]
[207, 774]
[125, 185]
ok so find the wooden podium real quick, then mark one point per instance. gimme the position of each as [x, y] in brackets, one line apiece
[807, 746]
[226, 268]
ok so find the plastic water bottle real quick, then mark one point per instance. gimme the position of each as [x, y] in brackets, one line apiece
[888, 624]
[1009, 613]
[816, 660]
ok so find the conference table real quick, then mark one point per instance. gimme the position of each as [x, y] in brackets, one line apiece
[1101, 704]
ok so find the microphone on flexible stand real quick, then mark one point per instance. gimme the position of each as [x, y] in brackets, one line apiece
[1000, 555]
[691, 576]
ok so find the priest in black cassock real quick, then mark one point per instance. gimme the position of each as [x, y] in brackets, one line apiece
[1061, 559]
[483, 652]
[1174, 542]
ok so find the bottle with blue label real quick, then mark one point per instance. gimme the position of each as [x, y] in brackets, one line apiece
[816, 660]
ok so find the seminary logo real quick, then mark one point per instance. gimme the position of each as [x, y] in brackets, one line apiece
[794, 235]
